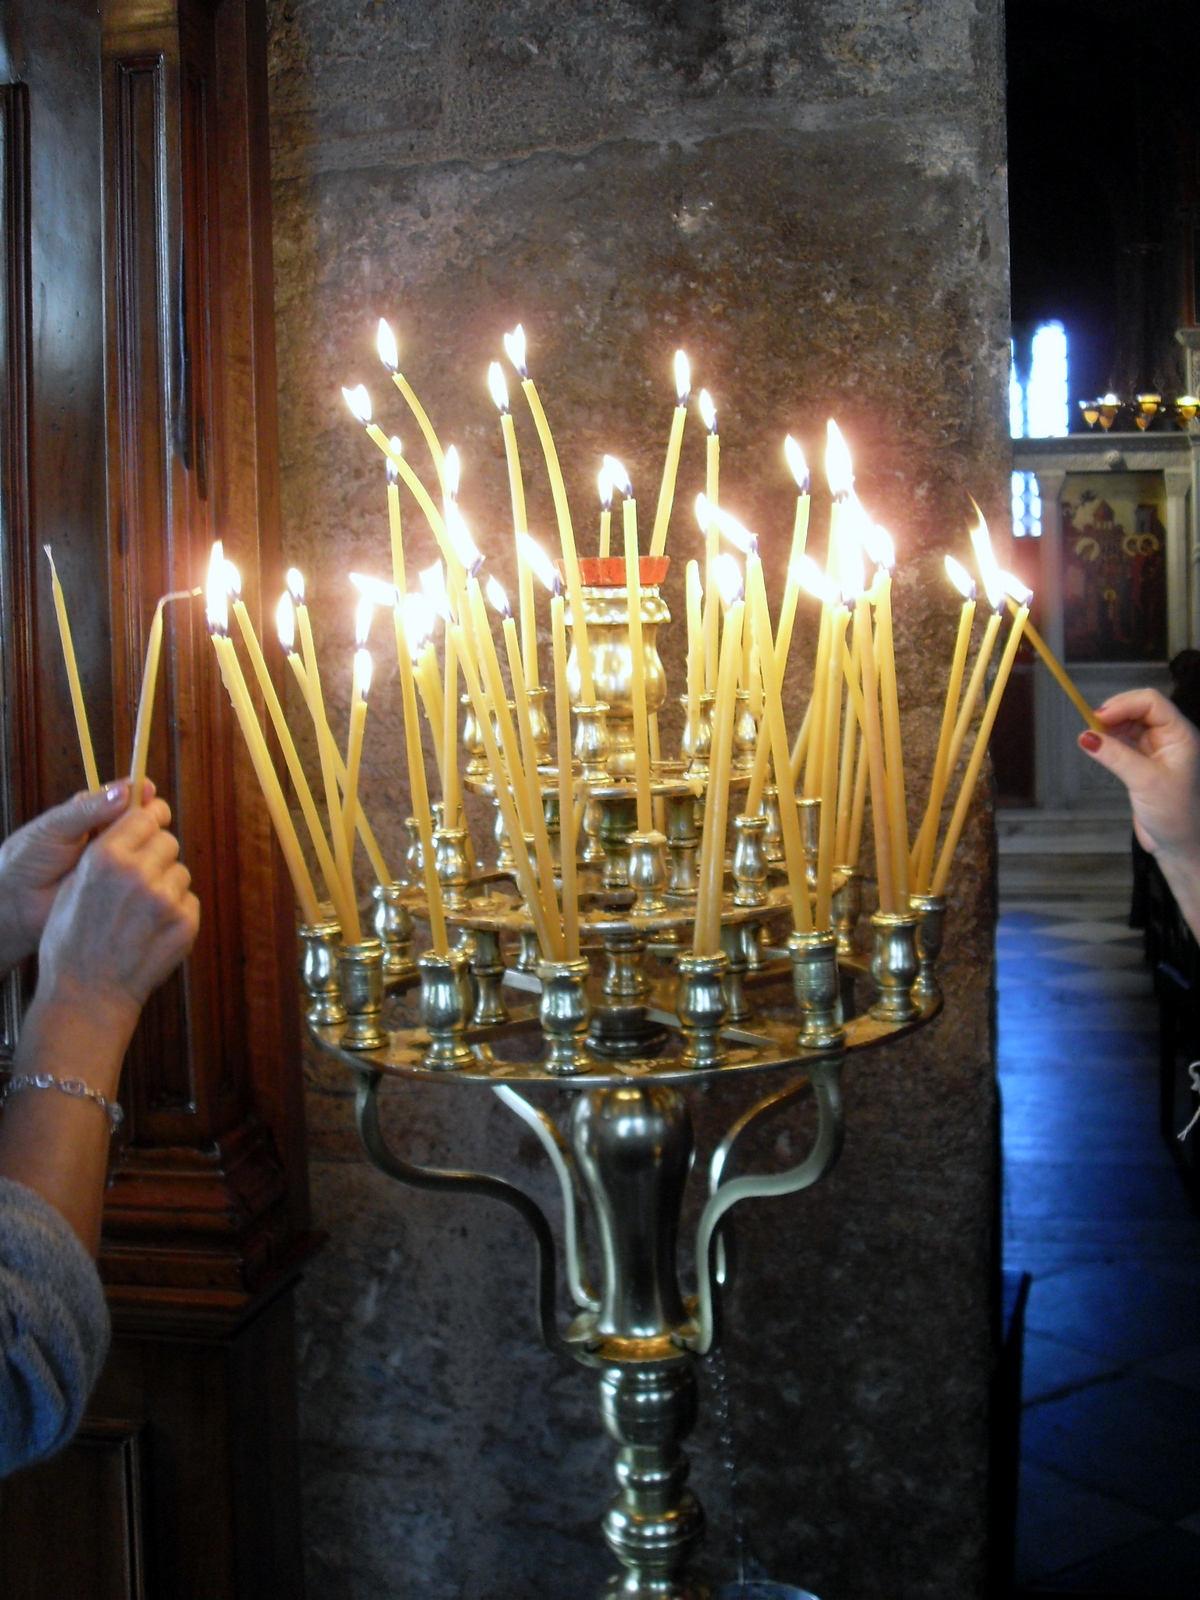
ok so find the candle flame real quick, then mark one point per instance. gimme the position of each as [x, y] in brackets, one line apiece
[436, 595]
[498, 386]
[850, 558]
[704, 512]
[618, 477]
[605, 488]
[683, 377]
[734, 531]
[540, 563]
[359, 402]
[397, 449]
[797, 464]
[295, 583]
[813, 581]
[363, 613]
[233, 583]
[839, 470]
[416, 617]
[465, 548]
[1020, 592]
[514, 349]
[385, 343]
[989, 570]
[217, 597]
[729, 580]
[363, 666]
[376, 590]
[878, 544]
[285, 623]
[960, 578]
[452, 471]
[497, 598]
[708, 411]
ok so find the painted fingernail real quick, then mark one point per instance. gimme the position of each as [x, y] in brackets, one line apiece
[1090, 741]
[114, 792]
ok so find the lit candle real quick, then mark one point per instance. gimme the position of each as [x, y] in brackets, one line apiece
[418, 791]
[389, 354]
[516, 494]
[633, 593]
[514, 346]
[926, 840]
[145, 710]
[695, 650]
[451, 782]
[360, 689]
[77, 704]
[712, 543]
[566, 786]
[493, 684]
[855, 713]
[959, 817]
[793, 845]
[333, 884]
[839, 620]
[549, 934]
[791, 589]
[394, 528]
[325, 746]
[1059, 673]
[873, 739]
[239, 698]
[716, 806]
[882, 552]
[286, 623]
[666, 493]
[858, 806]
[605, 489]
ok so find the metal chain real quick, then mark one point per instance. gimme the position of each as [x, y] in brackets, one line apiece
[747, 1565]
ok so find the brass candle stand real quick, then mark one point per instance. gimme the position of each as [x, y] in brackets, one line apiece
[622, 1036]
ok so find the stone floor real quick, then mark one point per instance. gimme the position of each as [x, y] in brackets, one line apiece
[1110, 1472]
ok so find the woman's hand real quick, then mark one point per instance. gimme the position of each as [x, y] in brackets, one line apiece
[122, 921]
[1155, 751]
[35, 859]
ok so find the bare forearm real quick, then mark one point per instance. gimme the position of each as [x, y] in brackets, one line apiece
[54, 1143]
[1181, 869]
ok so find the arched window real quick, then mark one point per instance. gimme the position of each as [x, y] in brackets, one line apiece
[1038, 408]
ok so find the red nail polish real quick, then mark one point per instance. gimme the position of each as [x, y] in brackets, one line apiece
[1090, 741]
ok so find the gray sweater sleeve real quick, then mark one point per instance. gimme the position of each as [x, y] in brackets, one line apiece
[54, 1328]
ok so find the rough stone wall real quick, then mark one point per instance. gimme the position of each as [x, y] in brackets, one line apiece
[810, 199]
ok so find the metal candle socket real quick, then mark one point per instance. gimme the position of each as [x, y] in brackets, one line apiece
[847, 904]
[564, 1013]
[702, 1008]
[591, 741]
[648, 872]
[894, 966]
[319, 972]
[487, 968]
[817, 989]
[360, 973]
[930, 911]
[773, 839]
[810, 836]
[697, 752]
[452, 867]
[394, 929]
[447, 1001]
[750, 861]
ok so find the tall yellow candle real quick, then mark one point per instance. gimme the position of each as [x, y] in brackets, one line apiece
[83, 732]
[959, 816]
[395, 529]
[605, 488]
[529, 766]
[354, 744]
[493, 683]
[716, 806]
[516, 493]
[926, 840]
[308, 809]
[828, 824]
[641, 732]
[712, 541]
[514, 344]
[145, 711]
[566, 787]
[1059, 673]
[666, 493]
[325, 742]
[893, 751]
[793, 845]
[451, 783]
[873, 738]
[816, 743]
[695, 650]
[429, 686]
[857, 808]
[975, 684]
[855, 712]
[418, 791]
[389, 354]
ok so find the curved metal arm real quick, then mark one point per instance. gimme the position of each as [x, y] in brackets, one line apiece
[716, 1166]
[366, 1113]
[554, 1143]
[827, 1085]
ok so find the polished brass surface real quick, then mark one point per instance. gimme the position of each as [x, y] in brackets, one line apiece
[930, 912]
[773, 839]
[477, 769]
[592, 742]
[745, 732]
[487, 968]
[447, 1001]
[393, 926]
[452, 866]
[360, 974]
[749, 861]
[414, 855]
[683, 841]
[319, 972]
[702, 1008]
[815, 982]
[647, 872]
[606, 612]
[564, 1013]
[539, 723]
[697, 753]
[894, 966]
[847, 905]
[733, 945]
[810, 833]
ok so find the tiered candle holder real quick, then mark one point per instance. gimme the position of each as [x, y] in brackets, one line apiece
[627, 1030]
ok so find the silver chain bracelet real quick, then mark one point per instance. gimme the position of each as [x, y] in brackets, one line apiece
[71, 1086]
